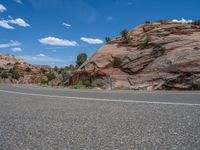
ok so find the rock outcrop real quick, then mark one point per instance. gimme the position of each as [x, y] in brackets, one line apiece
[153, 56]
[30, 74]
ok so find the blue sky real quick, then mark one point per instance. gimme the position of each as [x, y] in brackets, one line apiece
[53, 32]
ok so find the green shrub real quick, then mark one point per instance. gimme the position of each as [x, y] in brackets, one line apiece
[17, 63]
[158, 50]
[79, 85]
[108, 39]
[126, 37]
[44, 82]
[4, 75]
[145, 42]
[50, 76]
[128, 40]
[15, 75]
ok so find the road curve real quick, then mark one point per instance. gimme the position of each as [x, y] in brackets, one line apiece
[44, 118]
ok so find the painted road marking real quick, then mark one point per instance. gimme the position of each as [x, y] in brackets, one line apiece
[98, 99]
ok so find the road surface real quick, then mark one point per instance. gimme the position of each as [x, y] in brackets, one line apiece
[39, 118]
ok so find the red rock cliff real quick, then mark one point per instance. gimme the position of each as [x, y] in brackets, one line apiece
[155, 56]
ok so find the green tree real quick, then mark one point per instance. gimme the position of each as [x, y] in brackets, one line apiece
[108, 39]
[81, 58]
[15, 75]
[124, 33]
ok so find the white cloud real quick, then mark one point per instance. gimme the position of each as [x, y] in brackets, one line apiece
[20, 22]
[57, 42]
[10, 44]
[2, 8]
[41, 55]
[18, 1]
[4, 24]
[182, 21]
[66, 25]
[16, 49]
[91, 41]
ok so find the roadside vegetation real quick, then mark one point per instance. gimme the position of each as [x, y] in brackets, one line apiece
[63, 74]
[12, 74]
[81, 85]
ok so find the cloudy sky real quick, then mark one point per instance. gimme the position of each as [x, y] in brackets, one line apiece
[53, 32]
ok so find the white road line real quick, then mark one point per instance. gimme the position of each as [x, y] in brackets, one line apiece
[97, 99]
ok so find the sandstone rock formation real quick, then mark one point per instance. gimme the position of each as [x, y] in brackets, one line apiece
[33, 75]
[156, 56]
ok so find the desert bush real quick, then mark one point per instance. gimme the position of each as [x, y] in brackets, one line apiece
[79, 85]
[4, 75]
[50, 76]
[11, 71]
[28, 69]
[15, 75]
[124, 33]
[126, 37]
[158, 50]
[44, 82]
[145, 42]
[108, 39]
[17, 63]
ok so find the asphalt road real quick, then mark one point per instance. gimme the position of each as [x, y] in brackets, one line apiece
[43, 118]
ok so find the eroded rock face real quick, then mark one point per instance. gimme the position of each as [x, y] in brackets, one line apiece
[34, 76]
[169, 60]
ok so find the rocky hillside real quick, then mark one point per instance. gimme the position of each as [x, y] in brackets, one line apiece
[15, 70]
[153, 56]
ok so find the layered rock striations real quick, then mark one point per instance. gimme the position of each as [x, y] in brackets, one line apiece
[152, 56]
